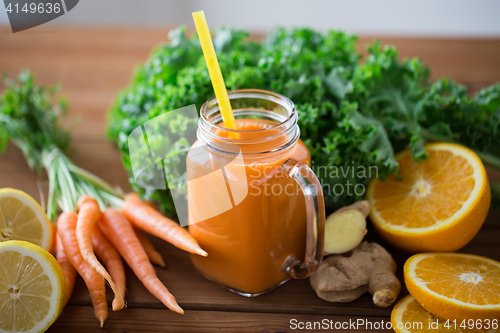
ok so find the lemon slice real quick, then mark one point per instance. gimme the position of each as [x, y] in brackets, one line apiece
[32, 288]
[22, 218]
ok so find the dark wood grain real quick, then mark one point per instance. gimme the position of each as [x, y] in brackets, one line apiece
[93, 65]
[78, 319]
[193, 291]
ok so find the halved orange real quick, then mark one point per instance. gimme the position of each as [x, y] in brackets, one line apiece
[455, 286]
[438, 204]
[408, 316]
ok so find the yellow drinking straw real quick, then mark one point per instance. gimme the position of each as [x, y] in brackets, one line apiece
[213, 69]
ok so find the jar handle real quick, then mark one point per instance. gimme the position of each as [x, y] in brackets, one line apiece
[315, 211]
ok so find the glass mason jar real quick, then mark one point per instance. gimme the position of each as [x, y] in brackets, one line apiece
[253, 202]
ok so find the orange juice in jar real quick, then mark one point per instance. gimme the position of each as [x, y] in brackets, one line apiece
[253, 203]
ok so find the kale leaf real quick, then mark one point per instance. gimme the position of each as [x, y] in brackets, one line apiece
[353, 115]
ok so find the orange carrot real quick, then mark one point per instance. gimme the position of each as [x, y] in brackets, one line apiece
[66, 229]
[88, 215]
[111, 259]
[150, 220]
[132, 196]
[120, 232]
[153, 255]
[68, 269]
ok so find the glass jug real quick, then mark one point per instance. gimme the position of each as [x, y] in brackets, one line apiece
[253, 202]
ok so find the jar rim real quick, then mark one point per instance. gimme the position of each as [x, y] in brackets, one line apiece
[249, 93]
[209, 131]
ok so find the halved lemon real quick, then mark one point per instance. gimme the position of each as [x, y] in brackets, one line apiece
[32, 288]
[438, 205]
[22, 218]
[455, 286]
[410, 317]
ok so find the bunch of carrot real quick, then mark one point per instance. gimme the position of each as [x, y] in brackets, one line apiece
[88, 228]
[111, 235]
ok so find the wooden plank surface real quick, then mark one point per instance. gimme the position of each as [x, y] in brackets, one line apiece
[76, 320]
[93, 65]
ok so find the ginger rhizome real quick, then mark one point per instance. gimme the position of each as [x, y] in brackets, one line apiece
[345, 228]
[345, 277]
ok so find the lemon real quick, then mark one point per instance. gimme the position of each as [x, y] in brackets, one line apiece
[22, 218]
[32, 288]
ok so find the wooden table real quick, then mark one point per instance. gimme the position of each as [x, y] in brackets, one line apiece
[93, 65]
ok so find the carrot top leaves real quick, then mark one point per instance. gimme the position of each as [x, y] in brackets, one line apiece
[30, 119]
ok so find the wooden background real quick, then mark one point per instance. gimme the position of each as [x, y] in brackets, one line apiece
[93, 65]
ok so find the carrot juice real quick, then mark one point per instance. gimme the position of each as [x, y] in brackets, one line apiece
[251, 219]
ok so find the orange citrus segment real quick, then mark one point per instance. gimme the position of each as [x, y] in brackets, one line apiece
[22, 218]
[455, 286]
[409, 316]
[436, 205]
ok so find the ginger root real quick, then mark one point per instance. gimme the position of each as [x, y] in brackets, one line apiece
[345, 277]
[345, 228]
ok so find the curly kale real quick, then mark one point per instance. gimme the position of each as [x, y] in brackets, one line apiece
[352, 114]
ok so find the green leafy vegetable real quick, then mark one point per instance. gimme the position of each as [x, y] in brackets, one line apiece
[351, 114]
[30, 120]
[28, 117]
